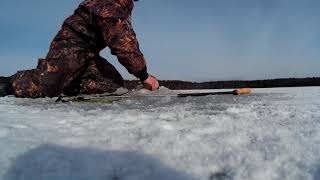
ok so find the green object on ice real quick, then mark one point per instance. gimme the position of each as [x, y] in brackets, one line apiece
[85, 100]
[107, 101]
[81, 99]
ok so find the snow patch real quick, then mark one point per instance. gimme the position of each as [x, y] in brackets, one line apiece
[271, 134]
[3, 132]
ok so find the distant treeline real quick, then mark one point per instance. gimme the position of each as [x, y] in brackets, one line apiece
[175, 84]
[289, 82]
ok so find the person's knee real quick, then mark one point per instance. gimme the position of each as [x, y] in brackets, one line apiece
[98, 86]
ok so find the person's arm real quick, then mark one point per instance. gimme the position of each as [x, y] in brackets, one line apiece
[124, 44]
[119, 36]
[115, 22]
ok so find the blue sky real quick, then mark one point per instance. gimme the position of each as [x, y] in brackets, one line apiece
[194, 40]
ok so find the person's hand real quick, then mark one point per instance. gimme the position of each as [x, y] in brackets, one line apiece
[151, 83]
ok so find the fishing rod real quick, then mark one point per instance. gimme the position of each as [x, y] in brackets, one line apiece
[240, 91]
[111, 98]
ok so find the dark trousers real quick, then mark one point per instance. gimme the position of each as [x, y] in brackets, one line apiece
[70, 70]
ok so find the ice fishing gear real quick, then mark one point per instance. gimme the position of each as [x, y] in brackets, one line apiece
[235, 92]
[109, 98]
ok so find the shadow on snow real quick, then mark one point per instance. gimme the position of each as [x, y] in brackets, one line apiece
[52, 162]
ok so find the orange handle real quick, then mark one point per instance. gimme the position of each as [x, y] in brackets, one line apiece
[242, 91]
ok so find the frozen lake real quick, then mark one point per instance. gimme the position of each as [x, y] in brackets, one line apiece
[271, 134]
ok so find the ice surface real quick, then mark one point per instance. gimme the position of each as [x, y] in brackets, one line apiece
[271, 134]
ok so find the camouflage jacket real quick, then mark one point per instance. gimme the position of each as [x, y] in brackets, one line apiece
[110, 20]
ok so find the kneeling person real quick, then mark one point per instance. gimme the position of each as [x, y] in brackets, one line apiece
[73, 64]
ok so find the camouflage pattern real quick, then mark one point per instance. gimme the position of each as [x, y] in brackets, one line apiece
[73, 64]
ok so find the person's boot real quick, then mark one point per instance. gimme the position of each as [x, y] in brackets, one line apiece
[5, 86]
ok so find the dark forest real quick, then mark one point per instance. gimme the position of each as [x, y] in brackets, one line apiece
[270, 83]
